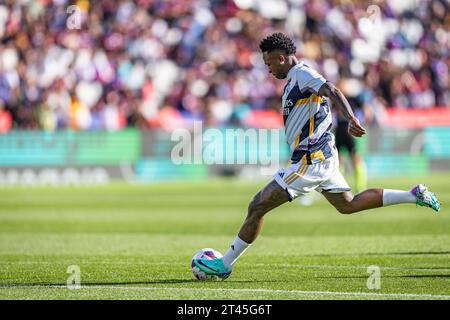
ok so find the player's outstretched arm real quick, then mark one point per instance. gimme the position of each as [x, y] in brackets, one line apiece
[329, 90]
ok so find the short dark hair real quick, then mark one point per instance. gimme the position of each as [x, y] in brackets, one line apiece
[278, 41]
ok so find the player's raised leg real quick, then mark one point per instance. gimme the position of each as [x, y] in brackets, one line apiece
[270, 197]
[346, 203]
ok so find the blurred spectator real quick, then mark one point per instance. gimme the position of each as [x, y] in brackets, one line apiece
[5, 118]
[154, 63]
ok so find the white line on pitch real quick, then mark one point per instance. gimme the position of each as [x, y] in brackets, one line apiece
[301, 292]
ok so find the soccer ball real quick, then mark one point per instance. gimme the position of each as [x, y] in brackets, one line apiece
[206, 253]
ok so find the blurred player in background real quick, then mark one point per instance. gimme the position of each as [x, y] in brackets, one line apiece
[314, 162]
[345, 141]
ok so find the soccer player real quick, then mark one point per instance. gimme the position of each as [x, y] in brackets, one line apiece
[314, 161]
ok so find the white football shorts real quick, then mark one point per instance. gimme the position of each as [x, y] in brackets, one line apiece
[299, 179]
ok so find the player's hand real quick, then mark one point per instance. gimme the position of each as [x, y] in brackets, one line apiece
[355, 128]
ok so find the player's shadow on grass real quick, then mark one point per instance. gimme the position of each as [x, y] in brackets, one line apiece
[170, 281]
[93, 284]
[127, 283]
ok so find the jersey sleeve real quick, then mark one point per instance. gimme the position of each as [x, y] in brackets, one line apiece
[309, 80]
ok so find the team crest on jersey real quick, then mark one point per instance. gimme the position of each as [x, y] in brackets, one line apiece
[287, 107]
[281, 174]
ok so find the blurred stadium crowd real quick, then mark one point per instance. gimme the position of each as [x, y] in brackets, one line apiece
[151, 63]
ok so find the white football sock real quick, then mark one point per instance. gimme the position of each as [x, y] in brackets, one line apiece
[397, 196]
[236, 250]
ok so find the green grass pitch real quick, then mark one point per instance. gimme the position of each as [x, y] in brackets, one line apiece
[136, 242]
